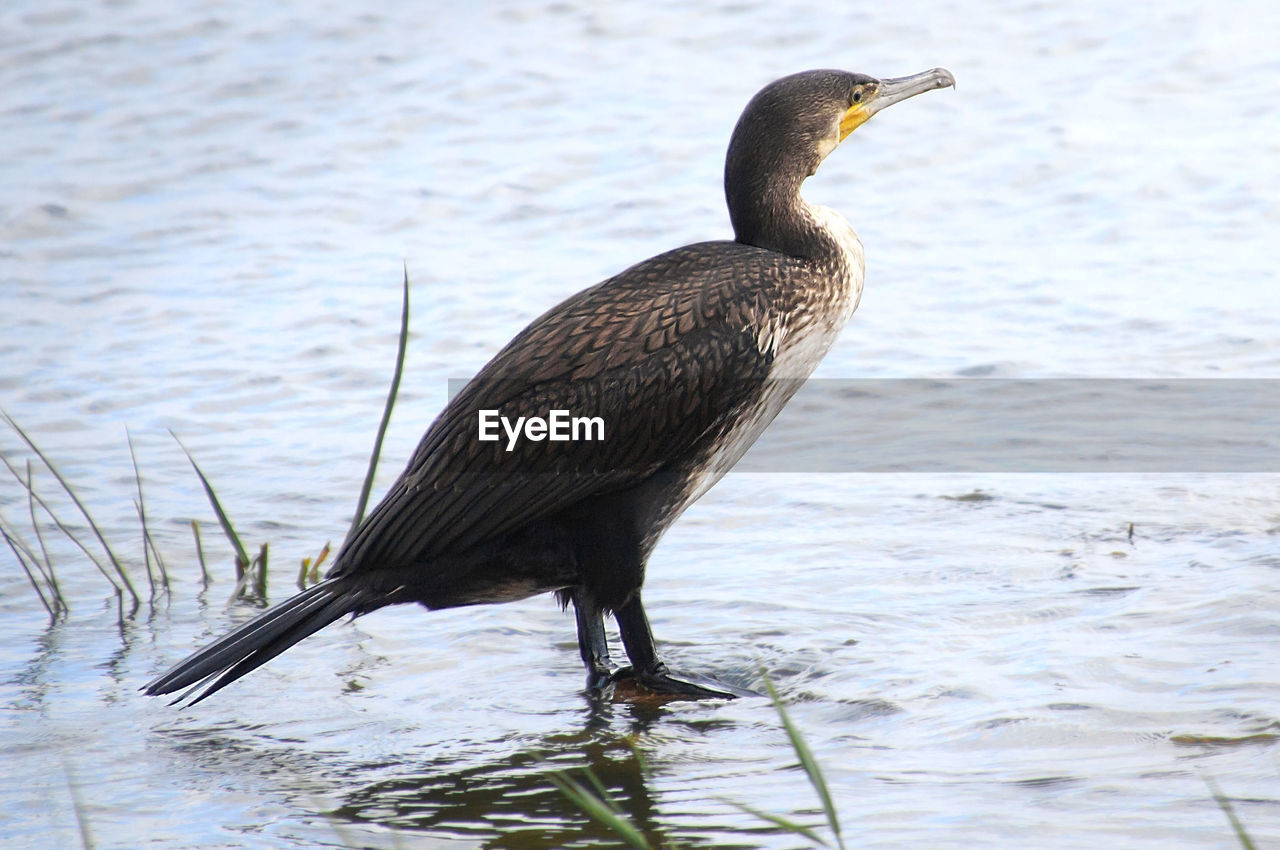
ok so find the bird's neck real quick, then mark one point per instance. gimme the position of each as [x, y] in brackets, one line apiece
[767, 211]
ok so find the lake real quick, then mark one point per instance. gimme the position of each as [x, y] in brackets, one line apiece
[205, 220]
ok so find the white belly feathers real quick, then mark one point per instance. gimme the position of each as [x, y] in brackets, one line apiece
[798, 340]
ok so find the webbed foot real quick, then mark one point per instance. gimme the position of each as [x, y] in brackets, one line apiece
[659, 683]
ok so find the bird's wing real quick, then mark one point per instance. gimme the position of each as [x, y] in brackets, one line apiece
[666, 353]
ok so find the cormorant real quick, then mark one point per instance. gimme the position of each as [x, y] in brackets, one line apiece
[685, 357]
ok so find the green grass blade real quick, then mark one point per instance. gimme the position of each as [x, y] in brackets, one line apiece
[70, 535]
[642, 765]
[152, 554]
[240, 591]
[309, 572]
[1224, 803]
[66, 485]
[808, 762]
[35, 527]
[242, 558]
[255, 573]
[386, 410]
[142, 513]
[320, 560]
[601, 793]
[204, 568]
[260, 577]
[148, 545]
[777, 820]
[146, 553]
[237, 592]
[602, 811]
[159, 559]
[15, 545]
[46, 568]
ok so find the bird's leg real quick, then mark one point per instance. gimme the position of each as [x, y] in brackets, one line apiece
[592, 642]
[650, 673]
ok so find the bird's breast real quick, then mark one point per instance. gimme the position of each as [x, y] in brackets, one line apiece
[822, 299]
[795, 335]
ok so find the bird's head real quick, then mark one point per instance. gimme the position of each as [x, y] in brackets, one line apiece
[868, 96]
[786, 131]
[794, 122]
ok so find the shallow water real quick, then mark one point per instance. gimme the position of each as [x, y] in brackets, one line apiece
[203, 226]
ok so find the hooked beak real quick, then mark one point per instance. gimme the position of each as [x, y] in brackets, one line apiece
[893, 90]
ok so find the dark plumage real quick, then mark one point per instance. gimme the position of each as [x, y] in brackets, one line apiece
[686, 357]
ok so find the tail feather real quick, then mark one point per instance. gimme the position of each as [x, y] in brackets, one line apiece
[334, 610]
[261, 639]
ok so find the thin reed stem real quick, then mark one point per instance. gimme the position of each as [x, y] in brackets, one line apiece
[242, 558]
[386, 410]
[84, 511]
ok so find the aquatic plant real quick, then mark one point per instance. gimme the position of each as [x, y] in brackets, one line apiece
[250, 572]
[596, 801]
[401, 347]
[118, 587]
[599, 804]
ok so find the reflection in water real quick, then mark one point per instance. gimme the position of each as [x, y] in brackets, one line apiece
[512, 802]
[508, 802]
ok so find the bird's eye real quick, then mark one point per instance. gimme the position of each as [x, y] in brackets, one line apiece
[857, 96]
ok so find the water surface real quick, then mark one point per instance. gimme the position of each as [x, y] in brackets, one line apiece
[205, 219]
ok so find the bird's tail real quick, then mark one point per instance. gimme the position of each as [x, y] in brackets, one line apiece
[261, 639]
